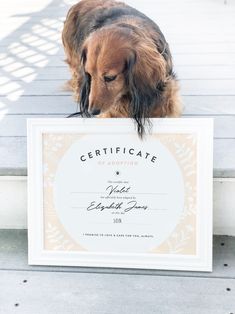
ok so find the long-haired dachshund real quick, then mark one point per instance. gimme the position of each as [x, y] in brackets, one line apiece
[120, 62]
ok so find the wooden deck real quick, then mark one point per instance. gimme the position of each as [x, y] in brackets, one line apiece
[201, 35]
[80, 290]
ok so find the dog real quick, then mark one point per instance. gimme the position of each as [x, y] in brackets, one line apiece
[120, 63]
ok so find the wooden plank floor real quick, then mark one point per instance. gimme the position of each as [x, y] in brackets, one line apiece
[201, 35]
[80, 290]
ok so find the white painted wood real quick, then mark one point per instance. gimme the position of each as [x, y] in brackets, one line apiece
[201, 35]
[39, 105]
[14, 89]
[209, 105]
[205, 72]
[13, 204]
[12, 155]
[193, 105]
[35, 88]
[190, 10]
[49, 73]
[184, 72]
[207, 48]
[86, 293]
[224, 161]
[14, 251]
[215, 59]
[68, 289]
[16, 124]
[40, 59]
[176, 48]
[95, 293]
[224, 48]
[55, 72]
[224, 205]
[207, 87]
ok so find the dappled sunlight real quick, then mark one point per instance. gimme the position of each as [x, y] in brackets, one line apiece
[27, 51]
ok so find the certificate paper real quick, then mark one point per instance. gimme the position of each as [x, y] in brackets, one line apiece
[101, 196]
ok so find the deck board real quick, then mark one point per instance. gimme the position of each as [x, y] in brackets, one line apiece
[98, 293]
[188, 87]
[96, 290]
[16, 124]
[13, 256]
[40, 105]
[46, 104]
[201, 35]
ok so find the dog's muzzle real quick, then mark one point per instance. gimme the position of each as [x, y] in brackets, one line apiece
[94, 112]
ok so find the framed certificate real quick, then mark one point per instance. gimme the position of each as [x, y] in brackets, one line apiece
[100, 196]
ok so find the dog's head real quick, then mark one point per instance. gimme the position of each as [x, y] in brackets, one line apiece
[118, 64]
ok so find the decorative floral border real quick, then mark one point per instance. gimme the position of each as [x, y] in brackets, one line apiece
[183, 238]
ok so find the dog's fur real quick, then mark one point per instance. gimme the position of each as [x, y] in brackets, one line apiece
[120, 62]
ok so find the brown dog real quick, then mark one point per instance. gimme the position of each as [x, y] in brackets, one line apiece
[120, 62]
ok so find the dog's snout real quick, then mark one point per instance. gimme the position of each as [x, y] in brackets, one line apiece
[94, 111]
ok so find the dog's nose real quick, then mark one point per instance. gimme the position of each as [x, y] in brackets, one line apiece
[94, 111]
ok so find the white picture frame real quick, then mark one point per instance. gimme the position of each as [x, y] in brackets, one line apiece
[53, 144]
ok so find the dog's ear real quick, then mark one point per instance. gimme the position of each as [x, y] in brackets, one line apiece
[136, 107]
[144, 74]
[85, 85]
[83, 56]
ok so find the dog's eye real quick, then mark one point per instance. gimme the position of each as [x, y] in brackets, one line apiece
[110, 78]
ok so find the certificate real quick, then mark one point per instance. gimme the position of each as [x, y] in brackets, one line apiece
[100, 196]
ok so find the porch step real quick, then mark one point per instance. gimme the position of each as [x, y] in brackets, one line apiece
[32, 71]
[44, 289]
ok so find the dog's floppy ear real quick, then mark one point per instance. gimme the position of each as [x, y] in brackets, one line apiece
[85, 86]
[139, 99]
[144, 73]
